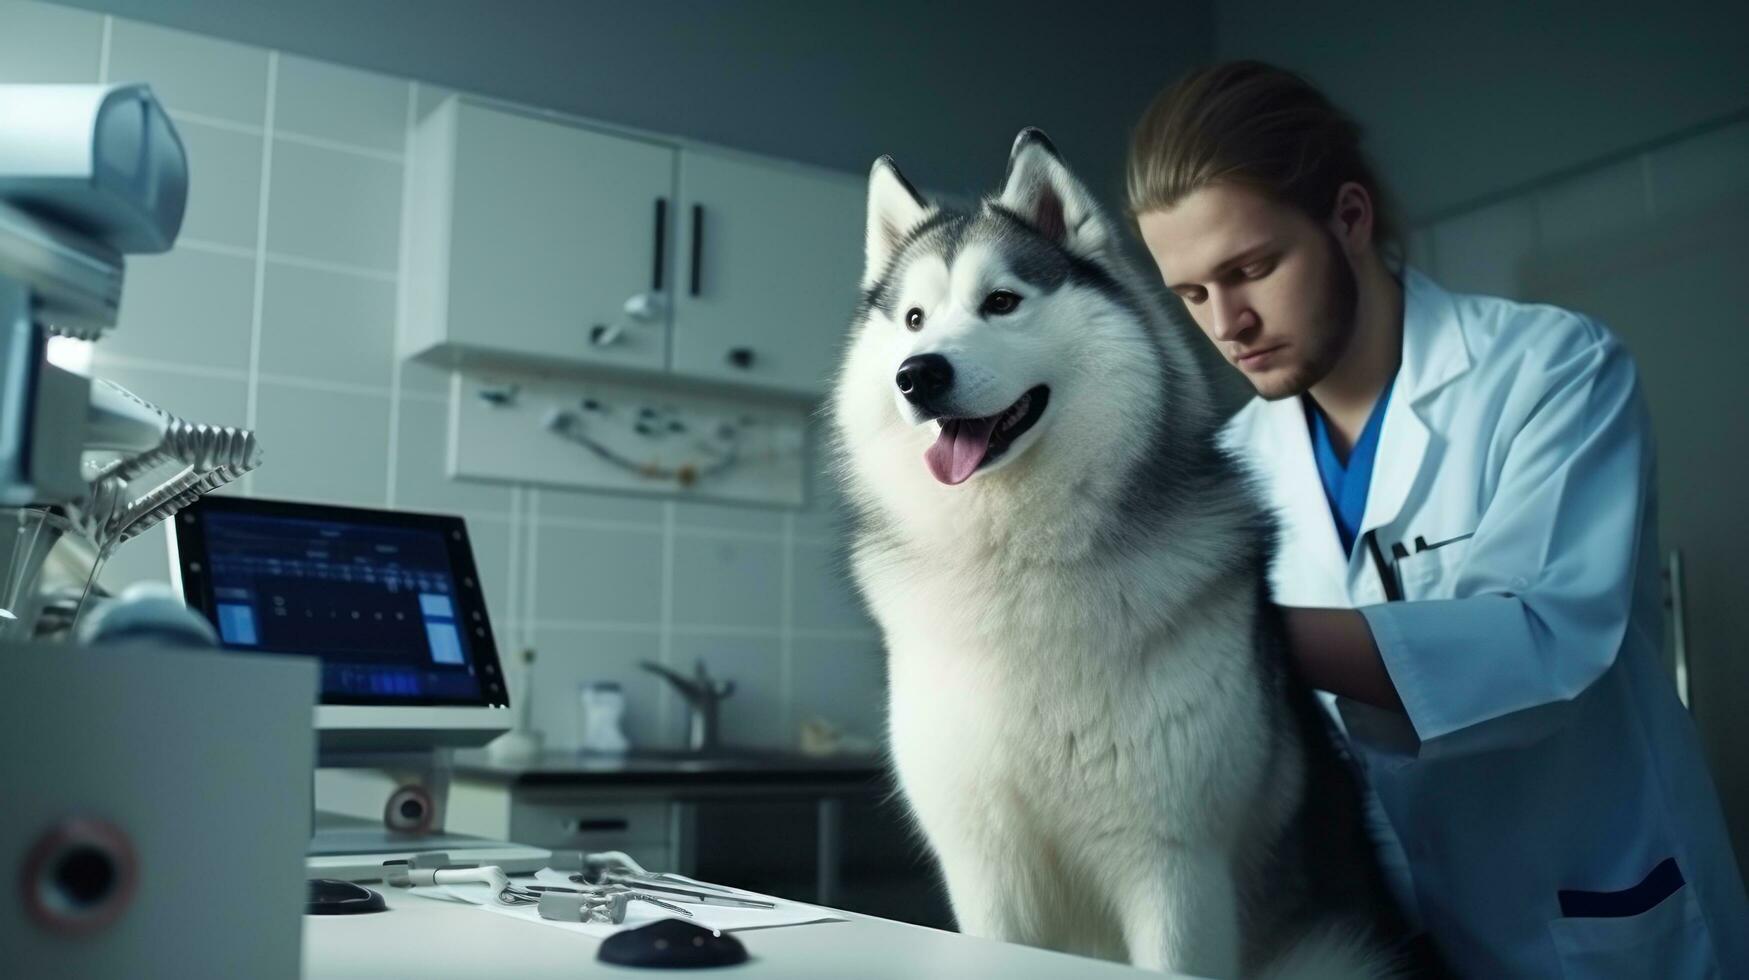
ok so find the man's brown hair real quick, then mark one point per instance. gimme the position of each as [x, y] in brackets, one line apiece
[1258, 126]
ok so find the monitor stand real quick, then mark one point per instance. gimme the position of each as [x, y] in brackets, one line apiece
[375, 807]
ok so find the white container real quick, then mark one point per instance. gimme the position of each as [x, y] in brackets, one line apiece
[603, 710]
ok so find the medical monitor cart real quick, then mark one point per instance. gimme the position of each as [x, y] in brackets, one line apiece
[391, 606]
[155, 791]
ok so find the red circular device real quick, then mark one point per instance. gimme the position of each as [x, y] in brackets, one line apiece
[79, 876]
[409, 810]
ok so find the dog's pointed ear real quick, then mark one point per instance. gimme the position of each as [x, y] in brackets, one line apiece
[894, 208]
[1040, 188]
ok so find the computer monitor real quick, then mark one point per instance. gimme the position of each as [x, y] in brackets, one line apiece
[389, 602]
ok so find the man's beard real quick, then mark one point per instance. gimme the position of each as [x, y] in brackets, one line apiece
[1337, 319]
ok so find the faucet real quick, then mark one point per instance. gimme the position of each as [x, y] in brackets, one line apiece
[703, 697]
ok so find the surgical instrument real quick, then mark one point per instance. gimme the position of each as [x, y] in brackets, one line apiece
[589, 903]
[694, 894]
[605, 905]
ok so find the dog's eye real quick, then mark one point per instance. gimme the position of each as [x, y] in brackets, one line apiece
[914, 318]
[1001, 302]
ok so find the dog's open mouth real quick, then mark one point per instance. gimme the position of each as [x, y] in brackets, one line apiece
[965, 444]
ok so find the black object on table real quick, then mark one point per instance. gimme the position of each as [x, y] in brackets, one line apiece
[329, 896]
[672, 943]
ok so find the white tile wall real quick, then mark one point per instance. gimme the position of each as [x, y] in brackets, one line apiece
[321, 443]
[278, 308]
[224, 191]
[826, 517]
[825, 599]
[1690, 175]
[326, 326]
[336, 206]
[205, 334]
[696, 515]
[327, 102]
[597, 575]
[191, 74]
[1485, 250]
[645, 512]
[42, 43]
[727, 581]
[1606, 201]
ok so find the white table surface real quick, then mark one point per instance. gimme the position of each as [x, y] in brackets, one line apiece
[425, 939]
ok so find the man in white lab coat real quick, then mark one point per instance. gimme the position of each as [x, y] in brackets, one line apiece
[1468, 552]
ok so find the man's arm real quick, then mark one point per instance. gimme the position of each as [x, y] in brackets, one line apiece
[1544, 595]
[1335, 652]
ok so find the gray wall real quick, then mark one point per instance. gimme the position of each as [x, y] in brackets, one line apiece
[941, 86]
[1468, 101]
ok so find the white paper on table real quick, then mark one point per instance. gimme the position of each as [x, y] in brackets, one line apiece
[720, 917]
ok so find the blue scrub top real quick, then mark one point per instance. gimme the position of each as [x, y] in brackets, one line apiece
[1346, 480]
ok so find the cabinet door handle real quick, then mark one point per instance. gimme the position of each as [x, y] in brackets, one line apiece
[697, 244]
[741, 357]
[661, 244]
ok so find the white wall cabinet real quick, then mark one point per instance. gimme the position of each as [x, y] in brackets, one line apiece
[529, 235]
[528, 238]
[774, 254]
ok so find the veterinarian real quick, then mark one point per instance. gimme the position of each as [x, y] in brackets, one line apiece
[1468, 557]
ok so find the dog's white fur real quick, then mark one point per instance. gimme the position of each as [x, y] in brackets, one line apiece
[1079, 731]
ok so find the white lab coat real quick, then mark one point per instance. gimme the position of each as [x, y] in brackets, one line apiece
[1544, 748]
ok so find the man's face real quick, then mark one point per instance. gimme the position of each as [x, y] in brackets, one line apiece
[1273, 289]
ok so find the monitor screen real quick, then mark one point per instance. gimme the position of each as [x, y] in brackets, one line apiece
[389, 602]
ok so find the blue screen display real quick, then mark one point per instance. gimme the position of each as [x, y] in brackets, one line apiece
[376, 604]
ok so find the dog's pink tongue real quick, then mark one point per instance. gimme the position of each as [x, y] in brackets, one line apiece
[959, 449]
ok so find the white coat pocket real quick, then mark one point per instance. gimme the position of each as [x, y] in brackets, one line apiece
[1432, 574]
[1669, 940]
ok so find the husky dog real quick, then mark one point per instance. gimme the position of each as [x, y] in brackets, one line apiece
[1093, 716]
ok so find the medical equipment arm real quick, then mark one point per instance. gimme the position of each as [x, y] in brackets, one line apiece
[1545, 592]
[89, 174]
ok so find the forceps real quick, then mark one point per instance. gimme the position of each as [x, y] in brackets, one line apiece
[604, 903]
[590, 903]
[669, 887]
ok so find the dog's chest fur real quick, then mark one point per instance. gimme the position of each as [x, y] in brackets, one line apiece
[1081, 703]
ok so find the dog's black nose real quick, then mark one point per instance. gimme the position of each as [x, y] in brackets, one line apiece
[924, 377]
